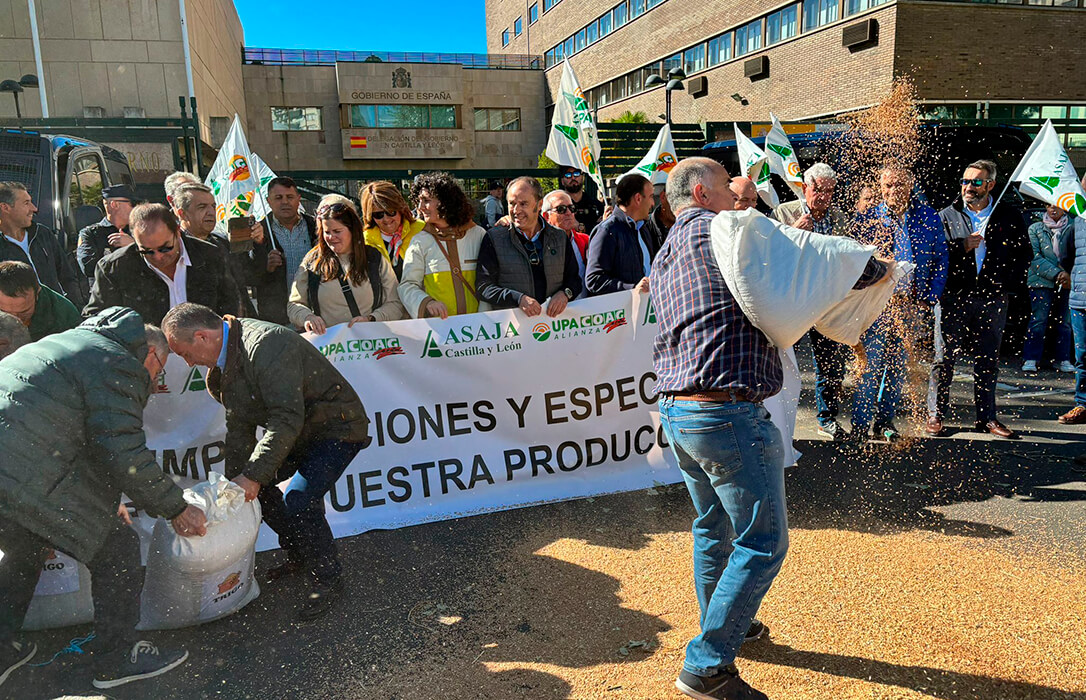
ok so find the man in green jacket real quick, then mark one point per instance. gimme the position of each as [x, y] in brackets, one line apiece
[73, 441]
[267, 375]
[40, 309]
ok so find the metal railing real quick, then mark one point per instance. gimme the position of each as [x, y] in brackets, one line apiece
[312, 57]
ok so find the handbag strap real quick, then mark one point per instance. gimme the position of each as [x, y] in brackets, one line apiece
[455, 269]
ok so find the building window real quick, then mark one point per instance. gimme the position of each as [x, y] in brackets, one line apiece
[518, 26]
[781, 25]
[567, 49]
[720, 49]
[748, 38]
[654, 3]
[818, 12]
[296, 119]
[854, 6]
[671, 63]
[619, 15]
[403, 117]
[579, 43]
[548, 58]
[505, 38]
[618, 88]
[533, 13]
[548, 4]
[593, 32]
[634, 82]
[637, 8]
[497, 119]
[603, 94]
[694, 59]
[605, 25]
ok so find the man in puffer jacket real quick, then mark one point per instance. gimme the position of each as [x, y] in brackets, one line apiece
[72, 409]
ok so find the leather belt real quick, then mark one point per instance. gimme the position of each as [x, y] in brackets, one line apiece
[723, 396]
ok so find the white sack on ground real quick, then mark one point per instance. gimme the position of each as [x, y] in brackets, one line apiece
[787, 280]
[192, 580]
[63, 596]
[784, 405]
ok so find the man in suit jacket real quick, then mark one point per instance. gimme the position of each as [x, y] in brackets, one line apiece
[989, 256]
[619, 255]
[161, 269]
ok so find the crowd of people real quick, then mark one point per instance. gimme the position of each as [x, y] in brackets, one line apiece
[237, 304]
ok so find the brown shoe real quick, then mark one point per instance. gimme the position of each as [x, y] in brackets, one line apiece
[282, 571]
[996, 428]
[934, 427]
[1076, 416]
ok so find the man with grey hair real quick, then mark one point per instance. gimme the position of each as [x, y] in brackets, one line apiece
[177, 180]
[815, 212]
[13, 334]
[990, 253]
[194, 206]
[560, 212]
[714, 369]
[529, 261]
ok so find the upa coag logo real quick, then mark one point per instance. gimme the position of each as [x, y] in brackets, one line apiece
[361, 349]
[589, 324]
[471, 340]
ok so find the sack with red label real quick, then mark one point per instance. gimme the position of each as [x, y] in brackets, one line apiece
[63, 596]
[192, 580]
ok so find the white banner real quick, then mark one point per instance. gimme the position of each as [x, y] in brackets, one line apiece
[474, 414]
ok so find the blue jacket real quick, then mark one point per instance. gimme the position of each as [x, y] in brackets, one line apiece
[927, 247]
[1073, 259]
[615, 261]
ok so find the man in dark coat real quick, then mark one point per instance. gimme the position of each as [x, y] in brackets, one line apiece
[73, 411]
[109, 234]
[619, 253]
[268, 376]
[23, 240]
[162, 269]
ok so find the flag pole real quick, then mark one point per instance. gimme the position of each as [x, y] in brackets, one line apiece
[1014, 176]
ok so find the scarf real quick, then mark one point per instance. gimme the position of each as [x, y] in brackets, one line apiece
[1056, 228]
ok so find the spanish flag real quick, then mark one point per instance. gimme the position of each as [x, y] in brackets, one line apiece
[358, 142]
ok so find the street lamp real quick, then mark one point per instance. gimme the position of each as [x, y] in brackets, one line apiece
[674, 82]
[17, 86]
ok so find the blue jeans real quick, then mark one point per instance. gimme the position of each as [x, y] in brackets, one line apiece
[732, 461]
[879, 390]
[830, 358]
[297, 515]
[1078, 327]
[1049, 308]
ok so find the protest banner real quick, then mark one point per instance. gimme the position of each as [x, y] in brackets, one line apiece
[472, 414]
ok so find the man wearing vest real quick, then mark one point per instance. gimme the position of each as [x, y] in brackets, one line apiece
[525, 264]
[990, 253]
[268, 376]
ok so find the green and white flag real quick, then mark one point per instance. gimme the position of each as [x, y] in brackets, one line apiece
[660, 159]
[236, 182]
[1047, 174]
[782, 158]
[573, 140]
[754, 163]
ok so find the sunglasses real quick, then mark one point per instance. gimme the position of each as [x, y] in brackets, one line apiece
[975, 182]
[335, 208]
[148, 252]
[378, 215]
[564, 209]
[572, 173]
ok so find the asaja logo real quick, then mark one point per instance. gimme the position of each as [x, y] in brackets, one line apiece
[541, 331]
[195, 381]
[362, 349]
[782, 151]
[239, 168]
[589, 324]
[650, 314]
[229, 582]
[472, 339]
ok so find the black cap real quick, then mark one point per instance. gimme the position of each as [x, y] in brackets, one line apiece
[120, 192]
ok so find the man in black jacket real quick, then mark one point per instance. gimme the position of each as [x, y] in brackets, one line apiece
[110, 233]
[530, 261]
[161, 270]
[25, 241]
[619, 253]
[990, 253]
[194, 206]
[278, 248]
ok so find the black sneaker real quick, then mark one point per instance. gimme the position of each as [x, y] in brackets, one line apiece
[832, 429]
[14, 655]
[725, 685]
[756, 631]
[859, 437]
[144, 660]
[320, 600]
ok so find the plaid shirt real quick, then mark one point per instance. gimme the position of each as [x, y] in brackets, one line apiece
[705, 343]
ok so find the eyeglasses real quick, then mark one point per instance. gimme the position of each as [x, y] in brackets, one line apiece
[148, 252]
[334, 208]
[564, 209]
[572, 173]
[378, 215]
[975, 182]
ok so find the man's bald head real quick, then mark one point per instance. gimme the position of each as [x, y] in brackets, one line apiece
[746, 194]
[699, 182]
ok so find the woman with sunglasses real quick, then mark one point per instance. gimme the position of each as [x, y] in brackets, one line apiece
[390, 226]
[342, 280]
[438, 278]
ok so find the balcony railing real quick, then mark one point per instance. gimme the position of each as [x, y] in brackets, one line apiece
[311, 57]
